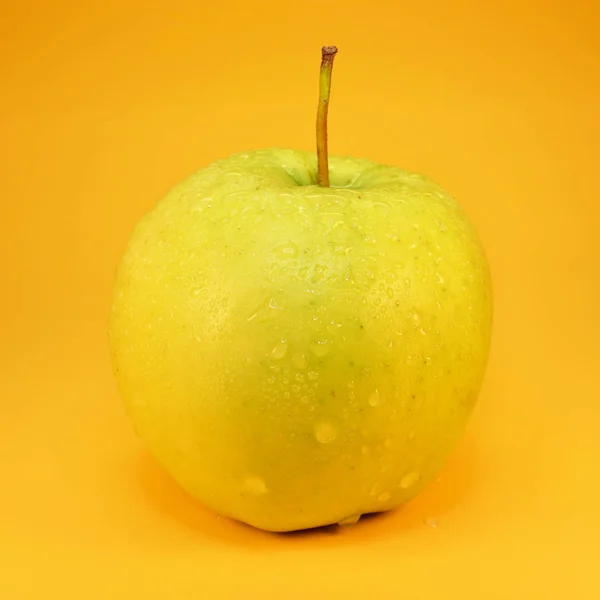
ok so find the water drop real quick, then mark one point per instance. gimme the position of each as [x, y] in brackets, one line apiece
[409, 479]
[431, 522]
[375, 489]
[351, 520]
[273, 304]
[299, 361]
[411, 435]
[287, 250]
[320, 348]
[374, 398]
[325, 432]
[280, 350]
[384, 497]
[255, 485]
[313, 375]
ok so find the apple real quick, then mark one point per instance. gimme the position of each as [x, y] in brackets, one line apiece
[300, 339]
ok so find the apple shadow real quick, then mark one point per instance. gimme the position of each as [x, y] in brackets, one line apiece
[458, 477]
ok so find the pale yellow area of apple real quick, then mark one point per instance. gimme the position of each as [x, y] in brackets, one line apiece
[297, 356]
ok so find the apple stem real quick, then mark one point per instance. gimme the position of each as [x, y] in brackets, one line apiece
[328, 54]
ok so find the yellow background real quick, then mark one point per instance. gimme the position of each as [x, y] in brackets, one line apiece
[106, 105]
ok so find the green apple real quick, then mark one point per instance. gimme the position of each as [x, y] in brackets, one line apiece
[300, 340]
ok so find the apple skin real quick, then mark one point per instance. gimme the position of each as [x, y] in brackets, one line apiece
[294, 355]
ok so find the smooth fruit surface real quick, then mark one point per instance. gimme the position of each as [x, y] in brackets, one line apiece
[295, 355]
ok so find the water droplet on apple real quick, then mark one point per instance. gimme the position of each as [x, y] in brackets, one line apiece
[320, 347]
[325, 432]
[287, 250]
[299, 361]
[351, 520]
[375, 489]
[313, 375]
[384, 497]
[255, 485]
[374, 398]
[273, 304]
[280, 350]
[409, 479]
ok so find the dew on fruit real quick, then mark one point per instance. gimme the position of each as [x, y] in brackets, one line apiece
[375, 489]
[431, 522]
[313, 375]
[280, 350]
[409, 479]
[287, 250]
[325, 432]
[374, 398]
[384, 497]
[299, 361]
[320, 348]
[273, 304]
[255, 485]
[351, 520]
[197, 292]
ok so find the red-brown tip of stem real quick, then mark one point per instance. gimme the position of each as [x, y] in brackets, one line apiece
[328, 52]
